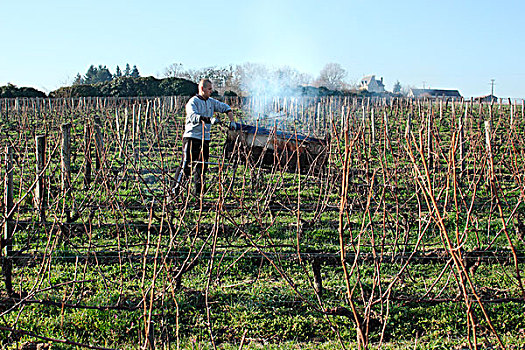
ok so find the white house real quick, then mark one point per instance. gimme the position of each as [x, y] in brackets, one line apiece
[370, 84]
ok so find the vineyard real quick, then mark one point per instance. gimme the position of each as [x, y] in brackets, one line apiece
[411, 234]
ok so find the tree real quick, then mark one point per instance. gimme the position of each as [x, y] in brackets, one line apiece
[78, 80]
[135, 72]
[12, 91]
[91, 75]
[397, 88]
[258, 79]
[292, 76]
[127, 71]
[103, 74]
[96, 75]
[174, 70]
[118, 73]
[127, 86]
[332, 76]
[254, 79]
[220, 76]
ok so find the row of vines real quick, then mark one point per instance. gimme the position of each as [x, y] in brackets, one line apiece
[413, 230]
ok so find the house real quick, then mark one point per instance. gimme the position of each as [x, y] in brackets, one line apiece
[486, 98]
[370, 84]
[434, 93]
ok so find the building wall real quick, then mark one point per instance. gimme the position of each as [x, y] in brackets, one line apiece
[373, 86]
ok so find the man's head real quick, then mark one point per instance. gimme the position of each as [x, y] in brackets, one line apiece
[205, 88]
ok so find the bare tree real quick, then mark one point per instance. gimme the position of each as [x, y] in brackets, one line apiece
[255, 78]
[221, 77]
[292, 76]
[250, 78]
[332, 76]
[175, 70]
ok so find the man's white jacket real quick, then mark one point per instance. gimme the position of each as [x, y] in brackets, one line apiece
[198, 114]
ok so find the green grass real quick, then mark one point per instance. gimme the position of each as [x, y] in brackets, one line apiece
[117, 255]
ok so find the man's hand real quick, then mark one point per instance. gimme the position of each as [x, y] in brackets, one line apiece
[215, 121]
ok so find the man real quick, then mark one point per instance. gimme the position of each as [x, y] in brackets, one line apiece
[200, 117]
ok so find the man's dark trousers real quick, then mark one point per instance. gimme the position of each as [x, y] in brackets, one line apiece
[195, 153]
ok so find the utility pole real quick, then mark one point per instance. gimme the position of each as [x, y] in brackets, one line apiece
[492, 87]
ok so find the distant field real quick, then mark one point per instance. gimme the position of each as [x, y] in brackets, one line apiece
[411, 236]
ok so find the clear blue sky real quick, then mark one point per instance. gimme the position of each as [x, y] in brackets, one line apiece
[440, 44]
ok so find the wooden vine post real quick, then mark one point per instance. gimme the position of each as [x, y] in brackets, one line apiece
[408, 129]
[124, 137]
[430, 150]
[99, 145]
[66, 168]
[373, 126]
[363, 126]
[318, 279]
[387, 133]
[461, 142]
[87, 155]
[40, 190]
[488, 133]
[7, 239]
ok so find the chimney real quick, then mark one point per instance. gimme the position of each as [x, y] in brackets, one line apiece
[381, 80]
